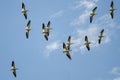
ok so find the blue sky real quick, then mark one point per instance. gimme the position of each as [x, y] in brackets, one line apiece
[37, 58]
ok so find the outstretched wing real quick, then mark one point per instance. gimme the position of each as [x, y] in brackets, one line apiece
[112, 15]
[13, 64]
[69, 42]
[14, 73]
[43, 26]
[64, 46]
[27, 34]
[99, 40]
[25, 15]
[28, 24]
[68, 55]
[69, 39]
[48, 25]
[88, 47]
[112, 4]
[86, 38]
[102, 31]
[46, 37]
[91, 18]
[94, 9]
[23, 5]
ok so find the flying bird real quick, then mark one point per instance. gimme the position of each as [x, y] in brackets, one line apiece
[100, 36]
[92, 14]
[112, 9]
[13, 69]
[69, 43]
[66, 51]
[87, 43]
[46, 30]
[27, 29]
[24, 11]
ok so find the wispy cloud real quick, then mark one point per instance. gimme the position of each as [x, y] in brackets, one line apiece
[81, 19]
[116, 71]
[57, 14]
[87, 5]
[53, 46]
[92, 32]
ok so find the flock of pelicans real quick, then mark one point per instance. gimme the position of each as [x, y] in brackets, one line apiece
[66, 46]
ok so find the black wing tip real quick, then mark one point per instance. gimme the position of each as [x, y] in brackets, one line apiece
[48, 24]
[46, 38]
[29, 21]
[22, 3]
[49, 21]
[26, 36]
[102, 30]
[69, 37]
[12, 62]
[96, 7]
[14, 74]
[85, 37]
[43, 25]
[63, 45]
[69, 57]
[25, 15]
[88, 48]
[99, 41]
[90, 19]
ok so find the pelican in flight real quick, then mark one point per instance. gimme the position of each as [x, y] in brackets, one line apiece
[69, 43]
[112, 9]
[46, 30]
[87, 43]
[100, 36]
[66, 51]
[13, 69]
[92, 14]
[27, 29]
[24, 11]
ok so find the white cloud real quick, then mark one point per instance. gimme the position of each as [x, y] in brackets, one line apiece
[88, 5]
[105, 21]
[116, 71]
[92, 31]
[57, 14]
[81, 19]
[52, 47]
[118, 78]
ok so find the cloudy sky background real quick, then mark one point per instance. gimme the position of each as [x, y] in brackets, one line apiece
[37, 58]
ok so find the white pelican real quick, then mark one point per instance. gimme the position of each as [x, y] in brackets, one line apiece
[66, 51]
[27, 29]
[24, 11]
[87, 43]
[92, 14]
[100, 36]
[112, 9]
[13, 69]
[46, 30]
